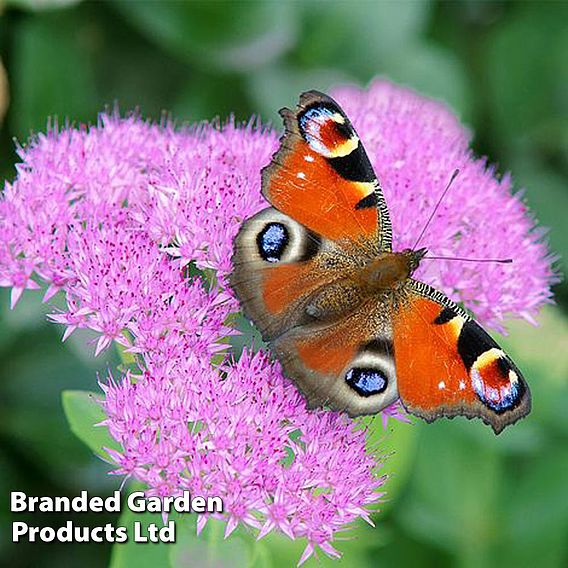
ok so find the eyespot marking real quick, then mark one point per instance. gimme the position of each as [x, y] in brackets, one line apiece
[272, 242]
[327, 131]
[366, 381]
[495, 381]
[501, 399]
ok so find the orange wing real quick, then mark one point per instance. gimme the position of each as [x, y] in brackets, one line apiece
[346, 364]
[322, 177]
[278, 267]
[447, 365]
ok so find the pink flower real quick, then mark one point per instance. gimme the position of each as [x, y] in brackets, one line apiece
[134, 222]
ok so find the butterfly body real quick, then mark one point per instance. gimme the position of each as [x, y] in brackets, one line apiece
[389, 270]
[317, 274]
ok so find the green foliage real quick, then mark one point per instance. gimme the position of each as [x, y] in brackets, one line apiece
[230, 36]
[498, 501]
[397, 445]
[456, 494]
[141, 555]
[53, 74]
[209, 547]
[84, 415]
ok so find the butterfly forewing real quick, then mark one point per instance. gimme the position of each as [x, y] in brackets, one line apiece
[321, 175]
[447, 365]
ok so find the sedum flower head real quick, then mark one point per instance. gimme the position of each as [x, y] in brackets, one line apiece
[134, 223]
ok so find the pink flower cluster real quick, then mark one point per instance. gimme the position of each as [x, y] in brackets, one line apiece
[113, 216]
[121, 216]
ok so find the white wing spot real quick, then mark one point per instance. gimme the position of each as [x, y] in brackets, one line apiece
[462, 385]
[301, 175]
[492, 394]
[441, 385]
[308, 158]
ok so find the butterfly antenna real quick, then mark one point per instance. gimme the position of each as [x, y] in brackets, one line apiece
[465, 259]
[454, 175]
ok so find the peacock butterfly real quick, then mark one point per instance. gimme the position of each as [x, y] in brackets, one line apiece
[316, 273]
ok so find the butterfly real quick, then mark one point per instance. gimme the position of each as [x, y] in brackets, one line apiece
[341, 311]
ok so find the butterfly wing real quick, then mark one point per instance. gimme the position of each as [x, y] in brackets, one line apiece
[328, 216]
[294, 263]
[295, 272]
[447, 365]
[321, 175]
[347, 365]
[301, 291]
[286, 275]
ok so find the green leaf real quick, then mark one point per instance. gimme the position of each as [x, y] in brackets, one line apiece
[359, 36]
[397, 446]
[52, 72]
[140, 554]
[456, 482]
[83, 412]
[212, 549]
[527, 73]
[207, 97]
[37, 368]
[537, 515]
[546, 195]
[235, 36]
[434, 72]
[126, 357]
[35, 6]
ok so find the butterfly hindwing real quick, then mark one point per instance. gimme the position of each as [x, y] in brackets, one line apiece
[285, 275]
[346, 365]
[302, 292]
[447, 365]
[321, 175]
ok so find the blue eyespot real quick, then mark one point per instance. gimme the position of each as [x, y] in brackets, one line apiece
[311, 122]
[317, 114]
[272, 242]
[501, 398]
[366, 381]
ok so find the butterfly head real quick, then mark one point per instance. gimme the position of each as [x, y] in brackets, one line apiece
[414, 257]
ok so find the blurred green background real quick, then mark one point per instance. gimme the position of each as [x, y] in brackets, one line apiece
[458, 496]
